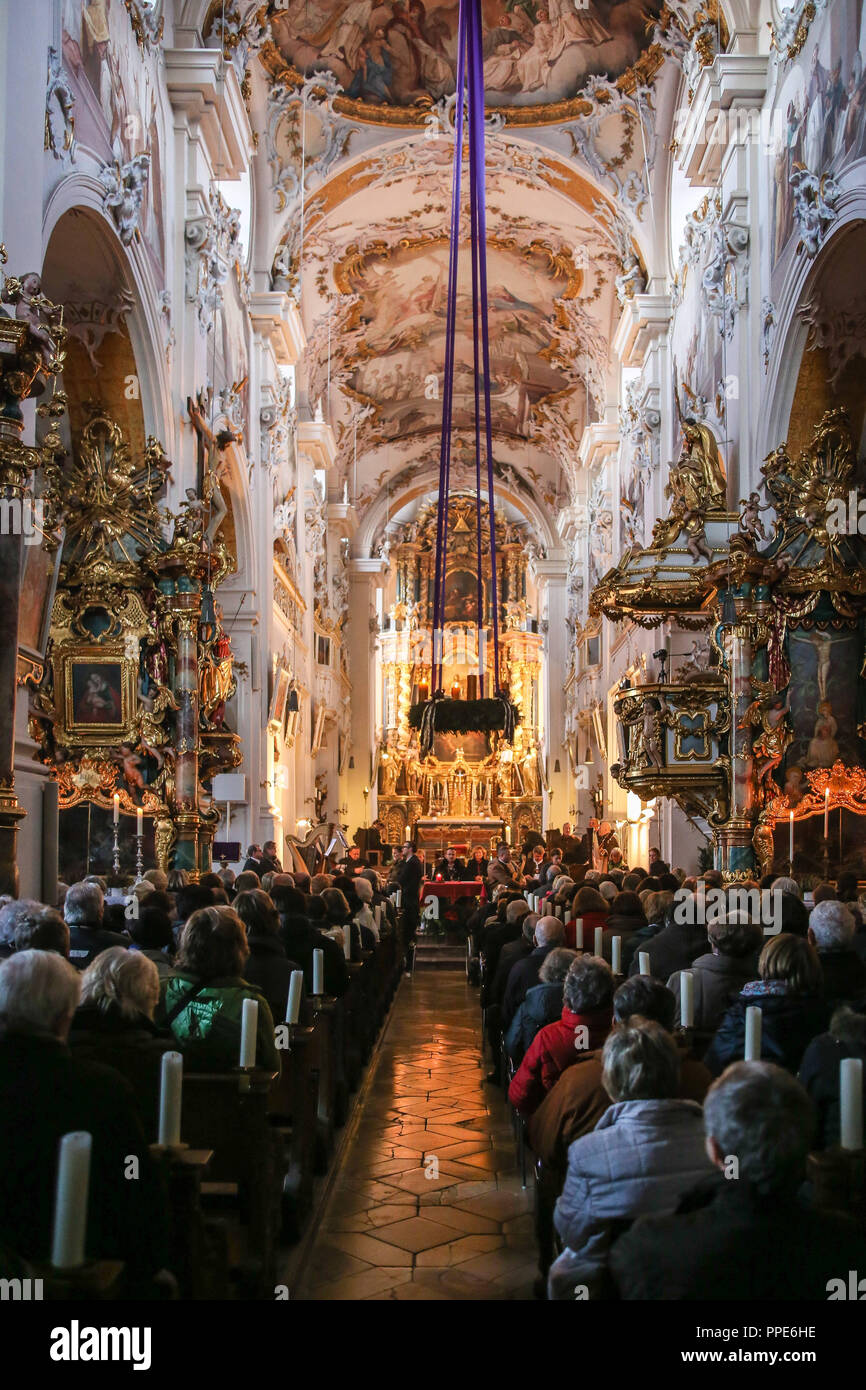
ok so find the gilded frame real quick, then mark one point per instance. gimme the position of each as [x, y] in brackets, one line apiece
[93, 733]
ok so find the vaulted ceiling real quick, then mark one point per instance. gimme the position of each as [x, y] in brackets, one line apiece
[360, 145]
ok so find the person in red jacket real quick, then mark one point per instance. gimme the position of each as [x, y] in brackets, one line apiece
[585, 1023]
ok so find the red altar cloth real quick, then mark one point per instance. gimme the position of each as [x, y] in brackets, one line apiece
[439, 888]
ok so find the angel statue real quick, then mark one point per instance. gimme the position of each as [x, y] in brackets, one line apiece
[751, 524]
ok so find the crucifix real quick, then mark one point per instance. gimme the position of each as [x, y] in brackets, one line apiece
[209, 447]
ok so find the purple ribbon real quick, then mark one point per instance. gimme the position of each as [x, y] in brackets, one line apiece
[470, 61]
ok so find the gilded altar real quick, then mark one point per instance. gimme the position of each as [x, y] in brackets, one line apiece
[764, 725]
[475, 775]
[131, 710]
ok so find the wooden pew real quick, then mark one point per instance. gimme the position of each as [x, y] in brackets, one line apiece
[198, 1249]
[228, 1113]
[292, 1104]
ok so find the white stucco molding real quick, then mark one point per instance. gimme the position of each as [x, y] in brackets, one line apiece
[316, 443]
[277, 319]
[729, 94]
[645, 321]
[206, 88]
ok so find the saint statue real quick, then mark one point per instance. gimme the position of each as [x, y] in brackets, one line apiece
[699, 477]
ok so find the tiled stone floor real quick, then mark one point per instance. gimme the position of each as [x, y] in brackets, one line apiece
[427, 1203]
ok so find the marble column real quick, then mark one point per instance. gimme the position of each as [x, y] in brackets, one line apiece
[365, 577]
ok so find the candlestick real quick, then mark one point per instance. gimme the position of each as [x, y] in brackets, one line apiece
[851, 1102]
[616, 955]
[826, 813]
[170, 1090]
[598, 941]
[578, 933]
[249, 1028]
[318, 972]
[687, 999]
[752, 1051]
[70, 1202]
[643, 963]
[116, 799]
[791, 838]
[115, 849]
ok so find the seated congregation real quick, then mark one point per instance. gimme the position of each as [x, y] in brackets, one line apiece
[618, 1014]
[96, 994]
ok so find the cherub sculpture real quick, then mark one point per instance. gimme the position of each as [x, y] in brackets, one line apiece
[750, 518]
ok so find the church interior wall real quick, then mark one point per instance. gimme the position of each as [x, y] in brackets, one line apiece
[710, 317]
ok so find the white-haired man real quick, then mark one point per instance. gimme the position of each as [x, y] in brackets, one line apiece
[83, 911]
[549, 933]
[45, 1093]
[753, 1239]
[831, 932]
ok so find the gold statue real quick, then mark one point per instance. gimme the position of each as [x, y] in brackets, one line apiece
[699, 476]
[164, 836]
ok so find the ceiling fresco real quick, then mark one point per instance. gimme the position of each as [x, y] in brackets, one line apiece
[395, 58]
[402, 306]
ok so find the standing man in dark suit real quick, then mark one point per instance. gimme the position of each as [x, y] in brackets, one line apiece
[254, 861]
[409, 874]
[451, 869]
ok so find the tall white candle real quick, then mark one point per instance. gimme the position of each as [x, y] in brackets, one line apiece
[791, 837]
[399, 897]
[117, 808]
[293, 1003]
[826, 813]
[347, 941]
[851, 1102]
[598, 940]
[687, 999]
[578, 933]
[70, 1201]
[616, 955]
[170, 1090]
[643, 963]
[139, 821]
[752, 1051]
[378, 915]
[557, 909]
[249, 1028]
[318, 971]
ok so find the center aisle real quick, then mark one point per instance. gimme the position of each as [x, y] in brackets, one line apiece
[392, 1228]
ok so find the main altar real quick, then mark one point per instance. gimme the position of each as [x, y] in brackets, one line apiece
[473, 786]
